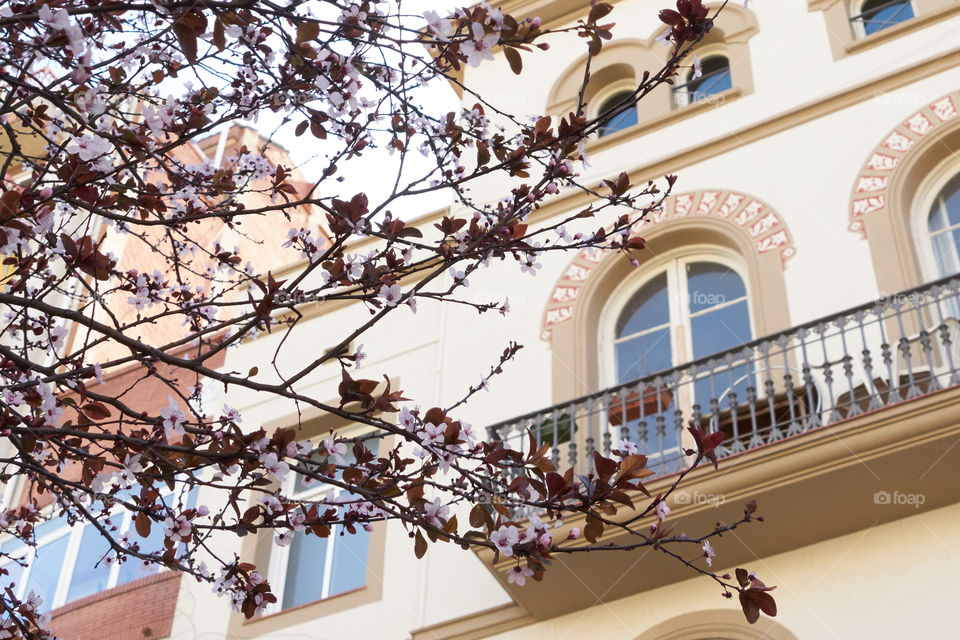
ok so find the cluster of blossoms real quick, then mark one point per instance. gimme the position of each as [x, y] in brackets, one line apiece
[127, 235]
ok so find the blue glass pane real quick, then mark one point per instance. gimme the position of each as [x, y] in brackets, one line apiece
[875, 19]
[48, 527]
[45, 571]
[721, 329]
[647, 308]
[951, 199]
[133, 568]
[90, 573]
[12, 545]
[937, 220]
[304, 581]
[643, 355]
[945, 247]
[622, 120]
[619, 122]
[303, 483]
[14, 576]
[710, 284]
[349, 562]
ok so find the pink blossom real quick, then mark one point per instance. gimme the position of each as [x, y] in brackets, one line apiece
[504, 539]
[708, 552]
[518, 575]
[390, 294]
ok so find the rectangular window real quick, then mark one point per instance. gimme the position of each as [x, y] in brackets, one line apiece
[67, 563]
[313, 568]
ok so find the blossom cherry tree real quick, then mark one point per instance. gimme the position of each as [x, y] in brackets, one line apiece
[116, 202]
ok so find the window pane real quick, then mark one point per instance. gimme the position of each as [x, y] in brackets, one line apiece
[349, 562]
[304, 580]
[945, 252]
[133, 568]
[644, 355]
[48, 527]
[936, 220]
[14, 575]
[622, 120]
[721, 329]
[877, 15]
[710, 284]
[649, 307]
[715, 78]
[45, 571]
[302, 484]
[90, 573]
[951, 199]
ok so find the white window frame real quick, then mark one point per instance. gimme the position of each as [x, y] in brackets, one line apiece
[280, 556]
[673, 262]
[75, 532]
[679, 310]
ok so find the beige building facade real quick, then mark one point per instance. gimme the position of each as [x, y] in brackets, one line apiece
[795, 293]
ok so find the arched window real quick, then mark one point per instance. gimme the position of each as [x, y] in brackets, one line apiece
[688, 308]
[714, 78]
[622, 120]
[943, 225]
[877, 15]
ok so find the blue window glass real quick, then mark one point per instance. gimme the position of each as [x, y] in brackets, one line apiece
[877, 15]
[45, 570]
[943, 223]
[133, 568]
[90, 573]
[647, 308]
[622, 120]
[305, 570]
[643, 332]
[349, 562]
[715, 78]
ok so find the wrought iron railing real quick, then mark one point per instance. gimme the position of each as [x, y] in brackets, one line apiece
[885, 15]
[857, 361]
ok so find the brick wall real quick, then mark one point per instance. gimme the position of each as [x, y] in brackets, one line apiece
[139, 610]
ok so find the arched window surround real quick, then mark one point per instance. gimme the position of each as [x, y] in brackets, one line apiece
[888, 192]
[926, 193]
[679, 332]
[576, 357]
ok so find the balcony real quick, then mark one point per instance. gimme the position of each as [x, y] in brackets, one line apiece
[867, 400]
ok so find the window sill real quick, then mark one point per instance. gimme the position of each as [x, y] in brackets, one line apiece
[675, 115]
[306, 605]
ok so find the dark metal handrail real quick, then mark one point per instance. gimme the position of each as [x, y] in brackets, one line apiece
[864, 358]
